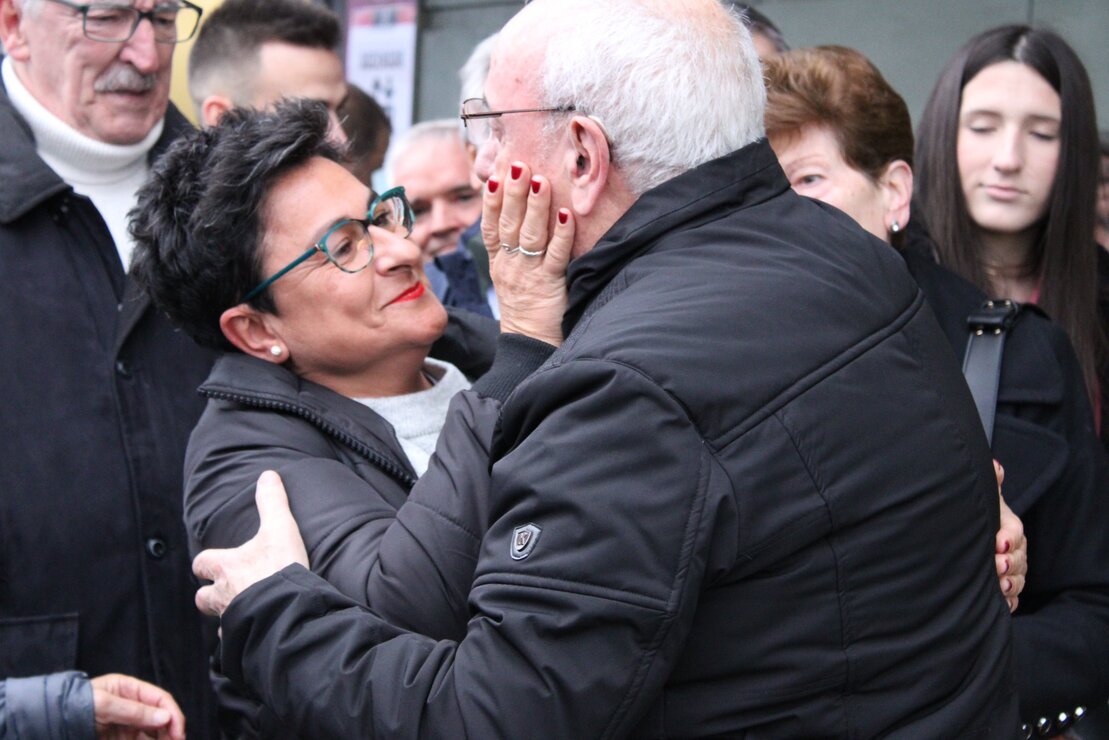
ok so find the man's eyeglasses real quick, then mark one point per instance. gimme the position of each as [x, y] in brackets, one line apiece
[347, 244]
[480, 122]
[173, 22]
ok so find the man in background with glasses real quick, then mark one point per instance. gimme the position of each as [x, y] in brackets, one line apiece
[99, 388]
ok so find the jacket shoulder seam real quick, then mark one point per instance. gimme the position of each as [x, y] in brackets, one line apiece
[559, 363]
[824, 370]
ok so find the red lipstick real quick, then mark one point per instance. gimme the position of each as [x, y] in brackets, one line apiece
[416, 291]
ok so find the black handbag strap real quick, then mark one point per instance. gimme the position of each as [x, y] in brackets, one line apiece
[982, 362]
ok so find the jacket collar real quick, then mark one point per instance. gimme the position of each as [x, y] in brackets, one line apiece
[26, 181]
[745, 177]
[265, 385]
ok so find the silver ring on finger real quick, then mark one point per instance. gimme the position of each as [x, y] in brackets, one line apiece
[526, 253]
[509, 249]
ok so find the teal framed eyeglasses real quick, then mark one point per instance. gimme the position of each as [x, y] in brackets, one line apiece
[347, 244]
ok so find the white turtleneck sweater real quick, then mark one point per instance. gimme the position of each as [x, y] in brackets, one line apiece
[108, 174]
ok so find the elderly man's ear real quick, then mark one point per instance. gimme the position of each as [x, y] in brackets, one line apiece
[589, 162]
[11, 35]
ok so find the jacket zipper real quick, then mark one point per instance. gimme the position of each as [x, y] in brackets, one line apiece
[355, 444]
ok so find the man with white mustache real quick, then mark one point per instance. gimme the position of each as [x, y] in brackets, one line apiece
[100, 388]
[124, 78]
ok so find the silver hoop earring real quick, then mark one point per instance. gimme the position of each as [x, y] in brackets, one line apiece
[895, 227]
[276, 351]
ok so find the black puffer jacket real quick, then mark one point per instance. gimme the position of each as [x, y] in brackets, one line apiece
[749, 496]
[54, 707]
[1103, 312]
[348, 479]
[348, 482]
[1057, 482]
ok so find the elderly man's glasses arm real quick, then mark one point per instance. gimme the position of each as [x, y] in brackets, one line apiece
[476, 117]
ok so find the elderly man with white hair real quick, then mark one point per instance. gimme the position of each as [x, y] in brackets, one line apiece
[747, 496]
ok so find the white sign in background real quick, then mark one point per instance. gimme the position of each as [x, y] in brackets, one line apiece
[381, 55]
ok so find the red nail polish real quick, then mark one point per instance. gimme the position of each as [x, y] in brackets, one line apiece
[563, 216]
[493, 185]
[535, 186]
[516, 171]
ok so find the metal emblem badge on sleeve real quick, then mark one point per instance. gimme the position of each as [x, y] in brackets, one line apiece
[523, 541]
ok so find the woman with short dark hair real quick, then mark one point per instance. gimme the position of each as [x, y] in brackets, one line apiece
[254, 239]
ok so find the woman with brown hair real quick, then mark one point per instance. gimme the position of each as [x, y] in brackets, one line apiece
[844, 136]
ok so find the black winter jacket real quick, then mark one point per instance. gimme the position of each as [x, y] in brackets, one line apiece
[1057, 482]
[1103, 312]
[748, 496]
[348, 479]
[99, 401]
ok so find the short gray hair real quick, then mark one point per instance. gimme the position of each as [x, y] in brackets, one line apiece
[438, 130]
[473, 72]
[672, 93]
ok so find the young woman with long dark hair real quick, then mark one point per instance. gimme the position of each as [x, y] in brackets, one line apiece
[1006, 181]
